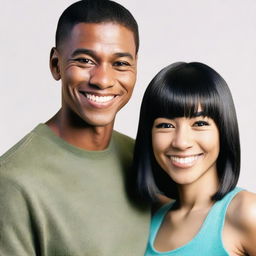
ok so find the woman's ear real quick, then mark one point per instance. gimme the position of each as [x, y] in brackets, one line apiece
[54, 64]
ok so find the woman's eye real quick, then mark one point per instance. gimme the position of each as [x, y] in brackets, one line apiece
[201, 123]
[164, 125]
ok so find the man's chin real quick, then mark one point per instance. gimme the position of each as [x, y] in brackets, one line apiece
[101, 121]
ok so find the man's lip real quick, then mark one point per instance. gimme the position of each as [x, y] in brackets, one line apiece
[98, 100]
[99, 94]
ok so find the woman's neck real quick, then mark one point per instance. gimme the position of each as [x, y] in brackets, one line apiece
[198, 195]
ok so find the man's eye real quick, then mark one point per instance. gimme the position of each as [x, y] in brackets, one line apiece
[164, 125]
[84, 60]
[121, 63]
[201, 123]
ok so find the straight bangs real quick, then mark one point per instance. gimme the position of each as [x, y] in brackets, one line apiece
[184, 95]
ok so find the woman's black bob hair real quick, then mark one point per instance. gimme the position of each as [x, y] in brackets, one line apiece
[177, 91]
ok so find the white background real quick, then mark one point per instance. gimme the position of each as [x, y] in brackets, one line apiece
[220, 33]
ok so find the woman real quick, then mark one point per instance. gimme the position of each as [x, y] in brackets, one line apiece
[188, 149]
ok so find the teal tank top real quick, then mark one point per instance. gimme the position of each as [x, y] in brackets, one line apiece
[207, 242]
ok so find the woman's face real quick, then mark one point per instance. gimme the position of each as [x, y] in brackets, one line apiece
[186, 148]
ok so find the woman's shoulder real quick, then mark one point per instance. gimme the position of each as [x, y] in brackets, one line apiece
[241, 214]
[242, 209]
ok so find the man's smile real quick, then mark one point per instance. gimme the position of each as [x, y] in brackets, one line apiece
[98, 100]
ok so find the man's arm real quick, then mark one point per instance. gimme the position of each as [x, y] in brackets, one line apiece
[16, 238]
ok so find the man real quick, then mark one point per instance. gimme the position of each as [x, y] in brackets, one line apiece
[64, 188]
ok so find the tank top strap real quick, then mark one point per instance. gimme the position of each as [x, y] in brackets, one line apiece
[212, 227]
[157, 220]
[208, 241]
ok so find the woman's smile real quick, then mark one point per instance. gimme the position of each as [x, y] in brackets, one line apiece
[185, 161]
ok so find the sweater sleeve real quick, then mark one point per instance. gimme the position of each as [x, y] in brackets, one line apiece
[16, 237]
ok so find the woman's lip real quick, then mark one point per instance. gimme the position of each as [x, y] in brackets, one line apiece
[184, 161]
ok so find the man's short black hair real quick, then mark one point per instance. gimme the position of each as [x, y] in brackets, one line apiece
[95, 11]
[177, 91]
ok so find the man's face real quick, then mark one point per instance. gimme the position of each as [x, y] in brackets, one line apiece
[97, 65]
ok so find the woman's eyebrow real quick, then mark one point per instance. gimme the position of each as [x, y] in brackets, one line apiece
[199, 113]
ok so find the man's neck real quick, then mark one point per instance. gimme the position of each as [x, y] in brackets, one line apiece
[81, 135]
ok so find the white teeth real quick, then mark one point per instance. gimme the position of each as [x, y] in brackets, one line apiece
[184, 160]
[98, 99]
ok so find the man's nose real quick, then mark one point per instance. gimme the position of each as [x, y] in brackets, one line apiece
[102, 77]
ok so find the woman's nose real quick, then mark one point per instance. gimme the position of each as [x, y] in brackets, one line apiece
[182, 139]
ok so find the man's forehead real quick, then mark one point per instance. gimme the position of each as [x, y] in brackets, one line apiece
[106, 28]
[102, 36]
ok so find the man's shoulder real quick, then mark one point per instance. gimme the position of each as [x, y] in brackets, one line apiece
[22, 153]
[14, 150]
[123, 139]
[124, 146]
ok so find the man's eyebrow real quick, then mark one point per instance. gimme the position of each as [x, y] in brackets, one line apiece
[83, 51]
[124, 54]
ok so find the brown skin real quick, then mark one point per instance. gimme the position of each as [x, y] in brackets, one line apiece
[197, 181]
[97, 66]
[239, 232]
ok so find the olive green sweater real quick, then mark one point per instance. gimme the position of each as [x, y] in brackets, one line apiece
[56, 199]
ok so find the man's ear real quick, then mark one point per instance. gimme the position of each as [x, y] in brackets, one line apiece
[54, 64]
